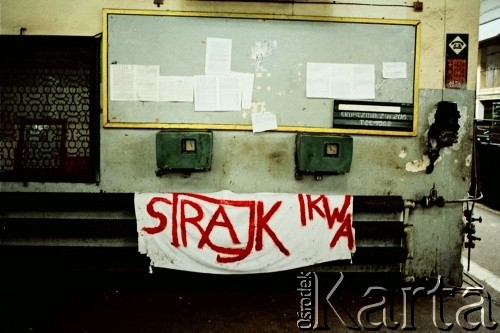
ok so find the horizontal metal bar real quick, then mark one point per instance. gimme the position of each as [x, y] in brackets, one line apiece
[66, 228]
[59, 201]
[379, 229]
[379, 255]
[381, 204]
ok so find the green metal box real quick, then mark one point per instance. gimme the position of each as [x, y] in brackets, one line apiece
[186, 151]
[321, 154]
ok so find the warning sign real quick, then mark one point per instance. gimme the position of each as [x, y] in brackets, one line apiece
[457, 53]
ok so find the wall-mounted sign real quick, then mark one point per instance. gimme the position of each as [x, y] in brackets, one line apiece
[457, 53]
[373, 115]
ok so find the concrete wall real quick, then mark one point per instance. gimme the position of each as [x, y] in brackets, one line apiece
[247, 162]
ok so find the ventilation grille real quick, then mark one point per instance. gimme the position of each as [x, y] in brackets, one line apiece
[49, 109]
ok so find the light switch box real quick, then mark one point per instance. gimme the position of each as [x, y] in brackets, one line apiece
[321, 154]
[185, 151]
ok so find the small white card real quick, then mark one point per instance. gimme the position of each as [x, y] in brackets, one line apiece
[264, 121]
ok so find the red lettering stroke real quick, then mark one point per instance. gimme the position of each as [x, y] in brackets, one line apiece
[188, 214]
[311, 206]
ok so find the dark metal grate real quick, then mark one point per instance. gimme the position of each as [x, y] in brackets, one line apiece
[49, 110]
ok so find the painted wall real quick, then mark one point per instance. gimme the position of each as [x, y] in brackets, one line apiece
[247, 162]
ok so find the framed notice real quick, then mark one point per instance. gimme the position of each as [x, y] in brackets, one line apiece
[186, 70]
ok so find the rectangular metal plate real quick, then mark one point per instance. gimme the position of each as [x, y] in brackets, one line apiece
[184, 150]
[323, 153]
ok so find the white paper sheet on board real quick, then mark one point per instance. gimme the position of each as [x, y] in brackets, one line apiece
[176, 88]
[218, 56]
[122, 83]
[217, 93]
[205, 93]
[229, 91]
[394, 70]
[363, 81]
[318, 80]
[264, 121]
[341, 81]
[146, 79]
[246, 85]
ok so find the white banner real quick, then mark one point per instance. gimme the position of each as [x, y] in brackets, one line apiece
[230, 233]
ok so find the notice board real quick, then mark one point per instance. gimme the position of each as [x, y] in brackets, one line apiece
[278, 54]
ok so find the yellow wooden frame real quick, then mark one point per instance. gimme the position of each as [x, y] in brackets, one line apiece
[146, 125]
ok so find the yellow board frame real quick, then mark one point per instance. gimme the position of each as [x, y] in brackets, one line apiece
[303, 129]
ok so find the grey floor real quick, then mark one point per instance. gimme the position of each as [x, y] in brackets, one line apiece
[179, 302]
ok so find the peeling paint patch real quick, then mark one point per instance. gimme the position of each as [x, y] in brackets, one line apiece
[258, 75]
[468, 160]
[244, 114]
[403, 152]
[449, 146]
[259, 106]
[261, 50]
[418, 165]
[461, 130]
[268, 88]
[432, 117]
[295, 76]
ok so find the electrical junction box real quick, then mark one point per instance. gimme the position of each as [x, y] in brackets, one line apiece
[184, 151]
[321, 154]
